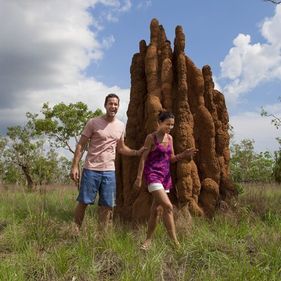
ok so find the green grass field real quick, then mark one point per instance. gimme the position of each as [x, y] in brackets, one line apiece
[37, 242]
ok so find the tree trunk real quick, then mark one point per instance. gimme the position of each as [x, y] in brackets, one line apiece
[30, 183]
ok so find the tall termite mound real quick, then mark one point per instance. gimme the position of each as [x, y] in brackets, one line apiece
[163, 78]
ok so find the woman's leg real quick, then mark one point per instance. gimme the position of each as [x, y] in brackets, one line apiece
[152, 223]
[161, 198]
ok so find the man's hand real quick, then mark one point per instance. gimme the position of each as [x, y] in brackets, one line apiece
[75, 174]
[141, 150]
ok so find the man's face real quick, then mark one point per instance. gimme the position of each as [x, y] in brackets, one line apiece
[111, 107]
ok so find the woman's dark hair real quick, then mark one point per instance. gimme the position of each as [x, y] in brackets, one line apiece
[112, 95]
[163, 115]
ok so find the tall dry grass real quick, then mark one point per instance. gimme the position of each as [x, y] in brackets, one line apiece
[37, 241]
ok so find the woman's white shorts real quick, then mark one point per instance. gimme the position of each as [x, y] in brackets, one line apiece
[156, 186]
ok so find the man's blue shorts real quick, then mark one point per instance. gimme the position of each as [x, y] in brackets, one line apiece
[98, 182]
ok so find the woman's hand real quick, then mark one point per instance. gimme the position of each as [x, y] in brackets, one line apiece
[190, 152]
[187, 154]
[137, 183]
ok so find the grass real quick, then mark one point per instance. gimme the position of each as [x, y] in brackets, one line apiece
[37, 242]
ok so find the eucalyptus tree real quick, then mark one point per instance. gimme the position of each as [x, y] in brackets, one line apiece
[246, 165]
[62, 124]
[276, 121]
[22, 149]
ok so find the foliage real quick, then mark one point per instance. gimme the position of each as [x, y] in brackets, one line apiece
[248, 166]
[23, 156]
[239, 187]
[62, 123]
[2, 146]
[24, 159]
[274, 1]
[12, 174]
[277, 164]
[51, 169]
[21, 150]
[275, 120]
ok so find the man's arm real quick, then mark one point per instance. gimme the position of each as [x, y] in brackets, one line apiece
[75, 173]
[125, 150]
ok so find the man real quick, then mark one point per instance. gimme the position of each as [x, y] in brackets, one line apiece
[106, 134]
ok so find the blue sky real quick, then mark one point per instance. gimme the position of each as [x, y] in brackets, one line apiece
[80, 50]
[210, 27]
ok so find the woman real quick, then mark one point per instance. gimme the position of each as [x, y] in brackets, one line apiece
[155, 165]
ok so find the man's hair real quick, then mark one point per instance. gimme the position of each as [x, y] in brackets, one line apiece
[112, 95]
[163, 115]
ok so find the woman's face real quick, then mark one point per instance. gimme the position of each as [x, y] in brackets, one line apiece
[167, 125]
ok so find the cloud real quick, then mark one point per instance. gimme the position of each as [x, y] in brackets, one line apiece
[107, 42]
[144, 4]
[117, 8]
[251, 125]
[274, 109]
[45, 48]
[248, 65]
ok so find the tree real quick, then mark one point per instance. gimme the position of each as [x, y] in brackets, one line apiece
[62, 123]
[51, 169]
[22, 149]
[277, 163]
[275, 120]
[273, 1]
[2, 146]
[12, 174]
[248, 166]
[24, 159]
[61, 176]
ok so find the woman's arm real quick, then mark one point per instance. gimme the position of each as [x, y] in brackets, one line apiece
[148, 145]
[188, 153]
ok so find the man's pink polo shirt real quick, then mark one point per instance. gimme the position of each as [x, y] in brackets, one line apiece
[103, 137]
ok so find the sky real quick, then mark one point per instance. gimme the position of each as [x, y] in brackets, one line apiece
[80, 50]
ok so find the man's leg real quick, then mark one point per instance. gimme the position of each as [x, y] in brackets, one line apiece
[107, 194]
[90, 182]
[105, 217]
[79, 214]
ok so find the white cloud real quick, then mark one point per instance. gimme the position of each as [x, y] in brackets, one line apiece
[144, 4]
[45, 47]
[274, 109]
[107, 42]
[247, 65]
[251, 125]
[118, 7]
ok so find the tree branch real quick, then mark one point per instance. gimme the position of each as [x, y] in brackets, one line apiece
[273, 1]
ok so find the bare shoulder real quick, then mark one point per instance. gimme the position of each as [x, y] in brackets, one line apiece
[149, 139]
